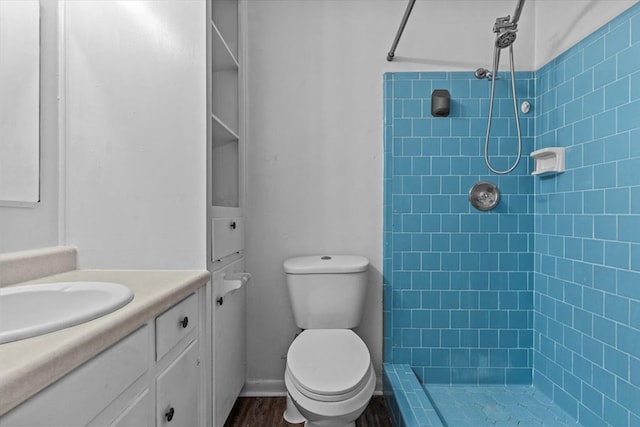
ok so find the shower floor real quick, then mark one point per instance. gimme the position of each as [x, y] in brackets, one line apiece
[499, 405]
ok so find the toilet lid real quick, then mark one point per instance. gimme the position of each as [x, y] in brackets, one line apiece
[328, 361]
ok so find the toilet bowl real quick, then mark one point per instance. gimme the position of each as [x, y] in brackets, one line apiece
[329, 378]
[329, 375]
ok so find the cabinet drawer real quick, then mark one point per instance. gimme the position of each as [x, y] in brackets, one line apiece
[175, 324]
[227, 238]
[177, 391]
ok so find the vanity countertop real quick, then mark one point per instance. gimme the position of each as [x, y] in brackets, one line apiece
[28, 366]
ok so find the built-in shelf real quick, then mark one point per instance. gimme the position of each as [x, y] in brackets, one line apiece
[225, 180]
[224, 93]
[225, 144]
[222, 55]
[224, 15]
[221, 133]
[548, 161]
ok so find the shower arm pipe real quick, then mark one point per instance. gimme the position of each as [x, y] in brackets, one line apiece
[405, 18]
[517, 12]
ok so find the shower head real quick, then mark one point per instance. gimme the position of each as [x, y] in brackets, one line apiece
[506, 38]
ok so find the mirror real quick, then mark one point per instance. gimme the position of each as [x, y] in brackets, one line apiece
[20, 101]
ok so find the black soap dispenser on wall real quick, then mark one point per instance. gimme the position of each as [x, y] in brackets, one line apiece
[440, 103]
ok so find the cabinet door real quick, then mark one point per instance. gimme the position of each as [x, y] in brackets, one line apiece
[178, 391]
[81, 395]
[137, 414]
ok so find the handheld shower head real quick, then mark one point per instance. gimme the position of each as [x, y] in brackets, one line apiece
[506, 38]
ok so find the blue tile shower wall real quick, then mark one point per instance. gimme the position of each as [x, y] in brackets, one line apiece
[458, 282]
[448, 281]
[587, 228]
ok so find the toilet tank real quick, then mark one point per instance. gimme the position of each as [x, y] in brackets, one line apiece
[327, 292]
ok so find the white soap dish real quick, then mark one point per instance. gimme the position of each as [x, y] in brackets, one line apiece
[548, 161]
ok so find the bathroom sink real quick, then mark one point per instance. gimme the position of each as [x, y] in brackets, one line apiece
[31, 310]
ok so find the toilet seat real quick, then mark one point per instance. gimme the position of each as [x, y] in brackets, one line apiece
[328, 365]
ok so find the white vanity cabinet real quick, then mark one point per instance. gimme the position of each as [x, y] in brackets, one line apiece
[77, 398]
[152, 377]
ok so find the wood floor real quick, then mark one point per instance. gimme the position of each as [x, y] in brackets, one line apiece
[267, 412]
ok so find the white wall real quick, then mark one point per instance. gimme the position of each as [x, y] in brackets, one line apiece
[135, 109]
[315, 164]
[561, 24]
[37, 226]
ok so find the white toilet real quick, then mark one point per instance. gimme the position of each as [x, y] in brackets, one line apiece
[329, 375]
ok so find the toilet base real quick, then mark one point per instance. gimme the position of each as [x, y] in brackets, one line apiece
[328, 424]
[293, 416]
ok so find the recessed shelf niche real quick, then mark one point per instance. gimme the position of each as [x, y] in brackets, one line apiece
[223, 106]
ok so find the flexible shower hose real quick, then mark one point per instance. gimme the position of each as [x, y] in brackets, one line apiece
[496, 62]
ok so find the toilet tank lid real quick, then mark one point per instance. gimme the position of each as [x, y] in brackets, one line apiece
[326, 264]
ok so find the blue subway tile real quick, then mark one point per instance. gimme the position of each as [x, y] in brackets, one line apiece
[627, 340]
[593, 152]
[420, 166]
[628, 395]
[479, 319]
[411, 108]
[441, 127]
[402, 89]
[629, 228]
[604, 124]
[635, 86]
[617, 254]
[573, 62]
[605, 72]
[603, 328]
[635, 28]
[628, 116]
[594, 52]
[593, 103]
[573, 111]
[627, 60]
[617, 39]
[628, 172]
[629, 284]
[420, 204]
[583, 83]
[604, 381]
[618, 201]
[440, 165]
[614, 414]
[617, 93]
[411, 338]
[420, 89]
[616, 308]
[411, 223]
[419, 127]
[617, 147]
[635, 257]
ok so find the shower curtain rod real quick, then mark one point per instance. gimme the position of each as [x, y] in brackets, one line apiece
[407, 12]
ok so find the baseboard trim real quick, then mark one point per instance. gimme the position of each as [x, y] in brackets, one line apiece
[276, 388]
[263, 388]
